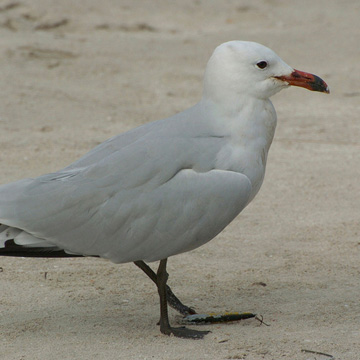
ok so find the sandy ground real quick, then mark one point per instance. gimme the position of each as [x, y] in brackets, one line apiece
[74, 73]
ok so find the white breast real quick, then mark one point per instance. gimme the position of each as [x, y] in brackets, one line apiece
[251, 134]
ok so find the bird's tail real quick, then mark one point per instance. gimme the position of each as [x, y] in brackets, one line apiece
[16, 242]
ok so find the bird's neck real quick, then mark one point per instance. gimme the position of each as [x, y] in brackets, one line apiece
[250, 120]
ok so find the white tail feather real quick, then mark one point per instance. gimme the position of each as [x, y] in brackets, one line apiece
[7, 233]
[21, 237]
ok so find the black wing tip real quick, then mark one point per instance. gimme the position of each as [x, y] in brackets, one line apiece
[12, 249]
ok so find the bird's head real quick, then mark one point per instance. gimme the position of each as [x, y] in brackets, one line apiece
[243, 68]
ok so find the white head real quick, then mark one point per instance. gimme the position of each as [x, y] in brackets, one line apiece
[243, 68]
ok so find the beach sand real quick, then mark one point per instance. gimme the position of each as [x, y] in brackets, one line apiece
[74, 73]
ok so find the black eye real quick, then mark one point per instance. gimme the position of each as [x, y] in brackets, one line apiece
[262, 64]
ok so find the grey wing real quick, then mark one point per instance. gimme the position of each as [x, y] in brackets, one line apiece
[137, 223]
[192, 208]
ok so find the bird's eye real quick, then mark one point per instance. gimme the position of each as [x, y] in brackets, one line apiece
[262, 64]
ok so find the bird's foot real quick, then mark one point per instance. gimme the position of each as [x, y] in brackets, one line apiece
[176, 304]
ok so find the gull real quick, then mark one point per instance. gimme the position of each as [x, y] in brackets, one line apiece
[166, 187]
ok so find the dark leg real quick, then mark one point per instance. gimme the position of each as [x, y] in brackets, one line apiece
[165, 327]
[172, 300]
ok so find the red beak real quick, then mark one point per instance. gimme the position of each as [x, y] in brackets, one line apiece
[305, 80]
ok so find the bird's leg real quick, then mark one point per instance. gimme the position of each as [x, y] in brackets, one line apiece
[165, 327]
[172, 300]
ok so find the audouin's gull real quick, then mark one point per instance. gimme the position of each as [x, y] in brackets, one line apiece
[165, 187]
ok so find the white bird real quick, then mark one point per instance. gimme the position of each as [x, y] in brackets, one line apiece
[166, 187]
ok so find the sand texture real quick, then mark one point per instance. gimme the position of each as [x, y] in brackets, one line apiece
[74, 73]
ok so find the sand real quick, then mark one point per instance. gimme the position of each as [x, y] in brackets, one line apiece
[74, 73]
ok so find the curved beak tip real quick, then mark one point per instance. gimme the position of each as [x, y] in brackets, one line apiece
[318, 84]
